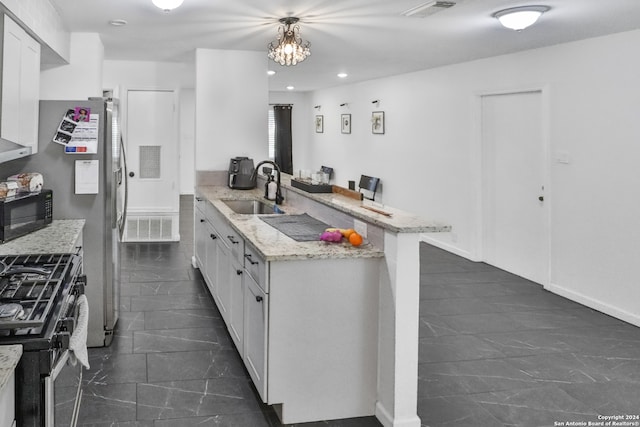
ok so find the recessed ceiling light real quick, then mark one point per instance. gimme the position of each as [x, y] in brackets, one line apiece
[342, 75]
[270, 72]
[290, 88]
[118, 22]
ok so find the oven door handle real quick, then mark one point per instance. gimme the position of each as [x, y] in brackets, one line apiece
[50, 391]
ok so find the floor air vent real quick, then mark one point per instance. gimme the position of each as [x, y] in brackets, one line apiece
[149, 229]
[429, 8]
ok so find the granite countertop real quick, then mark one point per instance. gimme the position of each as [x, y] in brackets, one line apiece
[9, 357]
[399, 222]
[58, 237]
[274, 245]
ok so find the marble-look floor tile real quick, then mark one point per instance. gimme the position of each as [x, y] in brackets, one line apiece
[527, 343]
[182, 399]
[455, 348]
[483, 323]
[180, 319]
[150, 341]
[542, 406]
[158, 275]
[130, 321]
[443, 307]
[115, 368]
[434, 326]
[194, 365]
[170, 302]
[253, 419]
[108, 403]
[454, 411]
[470, 377]
[147, 423]
[611, 398]
[178, 287]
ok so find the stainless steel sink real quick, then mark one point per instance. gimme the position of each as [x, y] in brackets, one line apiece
[252, 207]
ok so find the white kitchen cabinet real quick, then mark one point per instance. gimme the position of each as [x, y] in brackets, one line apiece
[236, 305]
[211, 248]
[7, 402]
[200, 239]
[306, 329]
[256, 324]
[20, 85]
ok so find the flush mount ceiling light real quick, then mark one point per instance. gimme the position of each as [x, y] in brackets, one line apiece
[289, 48]
[167, 5]
[519, 18]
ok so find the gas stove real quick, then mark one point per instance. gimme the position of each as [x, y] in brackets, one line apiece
[39, 309]
[34, 290]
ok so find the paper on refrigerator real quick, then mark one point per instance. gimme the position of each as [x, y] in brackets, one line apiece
[78, 131]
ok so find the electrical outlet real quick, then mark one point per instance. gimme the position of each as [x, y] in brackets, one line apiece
[360, 227]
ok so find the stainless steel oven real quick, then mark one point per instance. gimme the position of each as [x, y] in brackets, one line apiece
[40, 296]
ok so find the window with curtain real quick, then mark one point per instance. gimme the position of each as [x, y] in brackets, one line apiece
[272, 134]
[280, 139]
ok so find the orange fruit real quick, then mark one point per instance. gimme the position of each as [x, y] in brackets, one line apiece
[347, 232]
[355, 239]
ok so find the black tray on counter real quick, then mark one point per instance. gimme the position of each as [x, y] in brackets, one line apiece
[312, 188]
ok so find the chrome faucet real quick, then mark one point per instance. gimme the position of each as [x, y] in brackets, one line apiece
[279, 198]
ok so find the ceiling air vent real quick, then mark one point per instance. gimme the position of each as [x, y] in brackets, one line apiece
[428, 8]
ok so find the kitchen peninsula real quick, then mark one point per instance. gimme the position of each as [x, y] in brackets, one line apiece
[334, 333]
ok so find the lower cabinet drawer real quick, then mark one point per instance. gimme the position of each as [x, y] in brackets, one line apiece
[256, 266]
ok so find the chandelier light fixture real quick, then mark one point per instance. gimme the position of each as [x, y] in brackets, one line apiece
[289, 48]
[167, 5]
[519, 18]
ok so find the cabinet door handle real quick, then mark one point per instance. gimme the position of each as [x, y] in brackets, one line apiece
[213, 236]
[238, 272]
[258, 298]
[248, 256]
[232, 240]
[199, 199]
[541, 198]
[201, 220]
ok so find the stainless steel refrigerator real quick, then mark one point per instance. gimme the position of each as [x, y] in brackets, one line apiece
[104, 212]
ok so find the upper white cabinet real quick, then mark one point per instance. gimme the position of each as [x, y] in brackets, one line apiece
[20, 85]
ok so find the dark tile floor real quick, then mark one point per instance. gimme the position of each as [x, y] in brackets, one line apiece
[495, 350]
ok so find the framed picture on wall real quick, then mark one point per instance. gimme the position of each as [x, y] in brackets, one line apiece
[377, 122]
[319, 124]
[345, 121]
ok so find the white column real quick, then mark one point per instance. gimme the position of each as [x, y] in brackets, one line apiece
[398, 332]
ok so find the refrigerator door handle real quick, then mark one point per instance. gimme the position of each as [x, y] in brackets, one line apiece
[126, 189]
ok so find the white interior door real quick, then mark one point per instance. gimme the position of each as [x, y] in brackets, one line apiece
[153, 164]
[515, 221]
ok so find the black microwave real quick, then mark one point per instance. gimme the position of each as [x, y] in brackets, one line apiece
[24, 213]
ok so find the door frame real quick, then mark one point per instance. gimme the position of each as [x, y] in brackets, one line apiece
[477, 156]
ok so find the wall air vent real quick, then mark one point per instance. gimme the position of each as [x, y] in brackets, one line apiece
[429, 8]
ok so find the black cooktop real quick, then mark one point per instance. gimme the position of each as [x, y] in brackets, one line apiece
[31, 287]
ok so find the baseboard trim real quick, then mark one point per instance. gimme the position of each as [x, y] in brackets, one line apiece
[388, 421]
[585, 300]
[446, 246]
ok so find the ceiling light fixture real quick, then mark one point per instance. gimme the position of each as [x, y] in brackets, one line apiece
[519, 18]
[289, 48]
[343, 75]
[167, 5]
[118, 22]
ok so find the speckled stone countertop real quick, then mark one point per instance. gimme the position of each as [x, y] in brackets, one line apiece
[9, 357]
[58, 237]
[274, 245]
[399, 222]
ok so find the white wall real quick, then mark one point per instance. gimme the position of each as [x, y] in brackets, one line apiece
[82, 77]
[427, 159]
[231, 107]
